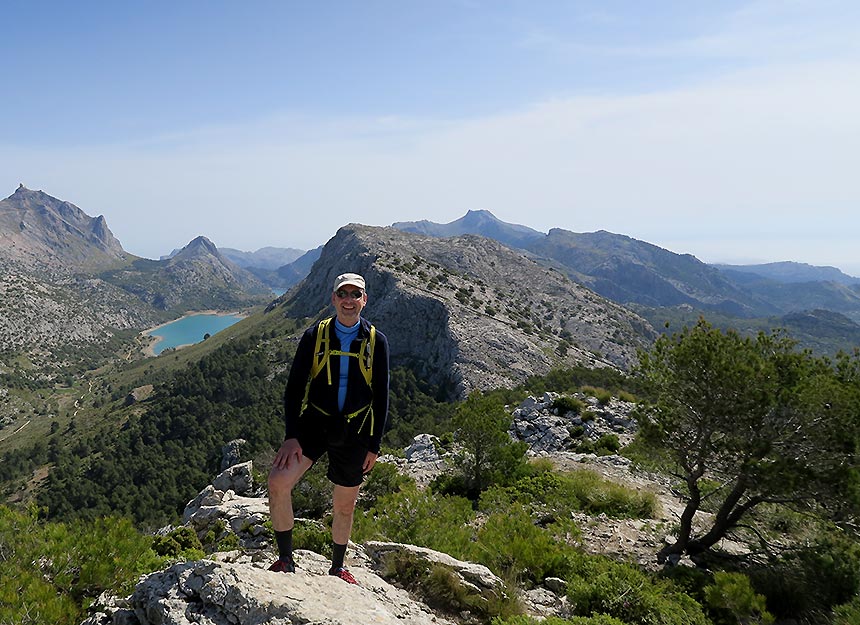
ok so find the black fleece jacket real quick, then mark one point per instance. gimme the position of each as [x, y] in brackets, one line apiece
[324, 395]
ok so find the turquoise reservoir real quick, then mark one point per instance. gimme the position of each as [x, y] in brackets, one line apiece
[190, 330]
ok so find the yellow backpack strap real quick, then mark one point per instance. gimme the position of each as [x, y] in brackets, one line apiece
[319, 357]
[365, 360]
[322, 350]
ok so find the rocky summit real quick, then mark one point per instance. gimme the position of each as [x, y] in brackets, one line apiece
[468, 312]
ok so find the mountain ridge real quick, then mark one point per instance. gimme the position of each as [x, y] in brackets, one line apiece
[469, 312]
[638, 274]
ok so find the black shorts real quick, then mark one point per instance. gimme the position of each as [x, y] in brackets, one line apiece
[345, 457]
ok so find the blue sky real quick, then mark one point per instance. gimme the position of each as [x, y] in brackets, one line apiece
[726, 130]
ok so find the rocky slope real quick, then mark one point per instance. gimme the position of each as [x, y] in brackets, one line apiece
[44, 315]
[468, 312]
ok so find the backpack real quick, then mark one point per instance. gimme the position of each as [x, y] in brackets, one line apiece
[322, 353]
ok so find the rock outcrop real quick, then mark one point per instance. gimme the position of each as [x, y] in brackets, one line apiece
[243, 592]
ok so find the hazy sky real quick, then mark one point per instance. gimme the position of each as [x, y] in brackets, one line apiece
[727, 130]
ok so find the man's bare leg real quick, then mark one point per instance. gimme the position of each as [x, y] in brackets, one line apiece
[343, 510]
[281, 483]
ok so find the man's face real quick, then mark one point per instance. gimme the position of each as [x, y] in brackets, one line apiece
[348, 301]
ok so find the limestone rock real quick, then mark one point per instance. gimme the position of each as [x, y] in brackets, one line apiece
[245, 593]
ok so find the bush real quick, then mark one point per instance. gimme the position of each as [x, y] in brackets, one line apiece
[628, 397]
[607, 444]
[180, 543]
[442, 589]
[731, 599]
[556, 495]
[312, 495]
[813, 580]
[848, 613]
[565, 404]
[418, 517]
[313, 536]
[383, 479]
[53, 571]
[600, 586]
[510, 544]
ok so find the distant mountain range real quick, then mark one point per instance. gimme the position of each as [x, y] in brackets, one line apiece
[789, 272]
[53, 240]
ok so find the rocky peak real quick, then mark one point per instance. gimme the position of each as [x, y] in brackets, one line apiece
[42, 230]
[480, 222]
[200, 246]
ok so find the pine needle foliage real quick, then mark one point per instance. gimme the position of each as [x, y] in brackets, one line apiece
[52, 572]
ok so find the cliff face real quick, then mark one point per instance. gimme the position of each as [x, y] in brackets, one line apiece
[468, 312]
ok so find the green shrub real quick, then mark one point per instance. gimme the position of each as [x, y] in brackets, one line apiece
[312, 535]
[600, 586]
[628, 397]
[180, 543]
[847, 613]
[576, 431]
[510, 544]
[556, 495]
[384, 479]
[418, 517]
[442, 589]
[566, 403]
[811, 581]
[220, 538]
[52, 572]
[607, 444]
[731, 599]
[312, 495]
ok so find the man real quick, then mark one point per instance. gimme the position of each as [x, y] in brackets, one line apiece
[336, 402]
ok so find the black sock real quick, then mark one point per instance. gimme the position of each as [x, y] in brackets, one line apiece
[337, 554]
[285, 545]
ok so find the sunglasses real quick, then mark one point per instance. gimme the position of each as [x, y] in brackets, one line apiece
[353, 294]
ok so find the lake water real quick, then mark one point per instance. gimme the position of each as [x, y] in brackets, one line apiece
[190, 330]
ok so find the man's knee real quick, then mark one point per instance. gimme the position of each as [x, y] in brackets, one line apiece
[281, 482]
[344, 501]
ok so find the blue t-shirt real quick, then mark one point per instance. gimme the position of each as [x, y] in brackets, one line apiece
[346, 336]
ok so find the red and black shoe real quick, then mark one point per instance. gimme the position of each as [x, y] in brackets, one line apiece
[344, 574]
[282, 566]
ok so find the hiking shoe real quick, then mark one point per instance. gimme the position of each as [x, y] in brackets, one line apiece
[281, 566]
[344, 574]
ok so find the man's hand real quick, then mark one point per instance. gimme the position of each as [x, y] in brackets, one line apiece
[289, 452]
[369, 461]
